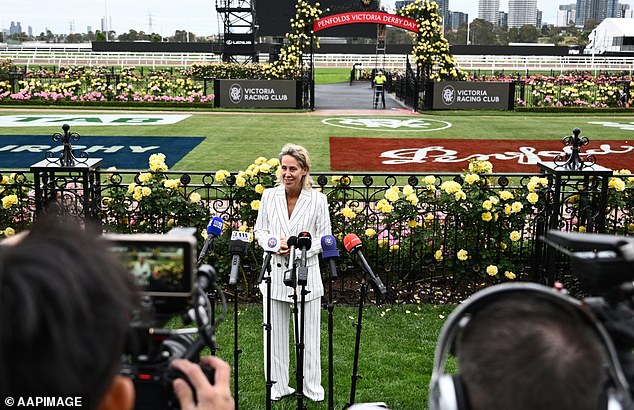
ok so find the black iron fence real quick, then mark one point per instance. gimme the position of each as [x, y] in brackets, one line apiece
[430, 238]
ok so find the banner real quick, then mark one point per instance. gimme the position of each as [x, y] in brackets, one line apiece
[468, 95]
[453, 155]
[256, 94]
[359, 17]
[55, 122]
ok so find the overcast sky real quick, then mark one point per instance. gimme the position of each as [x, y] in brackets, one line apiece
[164, 16]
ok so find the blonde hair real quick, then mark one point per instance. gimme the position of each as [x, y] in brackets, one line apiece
[303, 159]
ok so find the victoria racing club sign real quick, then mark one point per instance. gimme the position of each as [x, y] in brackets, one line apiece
[464, 95]
[256, 93]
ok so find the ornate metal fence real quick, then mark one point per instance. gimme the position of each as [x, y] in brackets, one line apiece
[430, 238]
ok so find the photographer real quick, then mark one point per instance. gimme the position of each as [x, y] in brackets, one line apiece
[65, 307]
[525, 346]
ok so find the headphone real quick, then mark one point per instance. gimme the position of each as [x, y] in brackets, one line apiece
[447, 391]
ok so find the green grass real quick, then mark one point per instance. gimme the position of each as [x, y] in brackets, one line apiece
[234, 140]
[395, 355]
[332, 75]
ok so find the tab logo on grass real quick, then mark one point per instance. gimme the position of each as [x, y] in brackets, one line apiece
[88, 119]
[22, 151]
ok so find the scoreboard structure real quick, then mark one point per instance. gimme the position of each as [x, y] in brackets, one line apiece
[273, 17]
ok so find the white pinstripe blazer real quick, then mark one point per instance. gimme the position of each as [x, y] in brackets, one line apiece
[309, 215]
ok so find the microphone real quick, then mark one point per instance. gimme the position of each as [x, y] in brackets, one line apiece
[271, 246]
[289, 274]
[304, 241]
[214, 229]
[237, 248]
[330, 253]
[352, 243]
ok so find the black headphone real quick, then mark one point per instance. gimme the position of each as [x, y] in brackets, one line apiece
[447, 391]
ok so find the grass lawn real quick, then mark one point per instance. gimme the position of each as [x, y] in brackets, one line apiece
[234, 140]
[395, 355]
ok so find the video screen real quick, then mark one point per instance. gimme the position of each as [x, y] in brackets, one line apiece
[159, 267]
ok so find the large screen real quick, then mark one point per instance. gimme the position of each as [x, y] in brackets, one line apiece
[273, 17]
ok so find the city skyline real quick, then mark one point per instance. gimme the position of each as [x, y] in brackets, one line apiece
[160, 16]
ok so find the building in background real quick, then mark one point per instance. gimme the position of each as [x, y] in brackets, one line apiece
[488, 10]
[522, 12]
[624, 12]
[597, 10]
[456, 19]
[566, 15]
[503, 19]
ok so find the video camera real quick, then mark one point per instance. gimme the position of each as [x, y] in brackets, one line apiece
[604, 265]
[164, 268]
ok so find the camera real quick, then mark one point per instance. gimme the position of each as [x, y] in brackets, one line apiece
[604, 265]
[170, 284]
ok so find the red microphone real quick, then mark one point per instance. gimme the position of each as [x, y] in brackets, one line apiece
[353, 244]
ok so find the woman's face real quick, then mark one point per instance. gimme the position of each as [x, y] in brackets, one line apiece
[292, 173]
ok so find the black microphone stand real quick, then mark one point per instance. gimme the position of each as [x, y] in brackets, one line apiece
[357, 343]
[267, 327]
[211, 296]
[330, 307]
[302, 280]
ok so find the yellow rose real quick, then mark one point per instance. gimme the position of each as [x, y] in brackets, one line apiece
[145, 177]
[492, 270]
[460, 195]
[146, 191]
[487, 217]
[430, 180]
[392, 194]
[509, 275]
[487, 205]
[259, 161]
[221, 175]
[194, 197]
[131, 188]
[506, 195]
[438, 255]
[532, 197]
[9, 200]
[241, 182]
[412, 199]
[9, 232]
[516, 207]
[515, 236]
[370, 232]
[462, 255]
[408, 190]
[472, 178]
[255, 204]
[259, 188]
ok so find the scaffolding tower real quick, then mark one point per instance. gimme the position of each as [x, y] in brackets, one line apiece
[240, 30]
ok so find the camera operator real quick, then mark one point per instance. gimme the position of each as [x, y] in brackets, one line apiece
[521, 347]
[65, 308]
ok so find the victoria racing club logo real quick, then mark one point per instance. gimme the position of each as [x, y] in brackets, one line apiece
[388, 124]
[235, 93]
[448, 95]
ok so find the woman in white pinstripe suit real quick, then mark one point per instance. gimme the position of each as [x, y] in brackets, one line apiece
[289, 208]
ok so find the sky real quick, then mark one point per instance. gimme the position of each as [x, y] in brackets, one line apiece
[164, 16]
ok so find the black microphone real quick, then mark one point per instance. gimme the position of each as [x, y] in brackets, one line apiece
[330, 253]
[289, 274]
[304, 241]
[271, 246]
[237, 248]
[353, 244]
[214, 230]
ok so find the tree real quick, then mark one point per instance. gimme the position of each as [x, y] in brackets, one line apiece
[525, 34]
[431, 50]
[398, 36]
[482, 32]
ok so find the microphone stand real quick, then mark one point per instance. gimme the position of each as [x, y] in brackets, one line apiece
[211, 296]
[330, 307]
[302, 279]
[358, 325]
[267, 328]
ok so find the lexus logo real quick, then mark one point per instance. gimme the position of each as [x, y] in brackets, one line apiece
[235, 93]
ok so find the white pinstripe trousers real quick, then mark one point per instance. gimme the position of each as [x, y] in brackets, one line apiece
[280, 321]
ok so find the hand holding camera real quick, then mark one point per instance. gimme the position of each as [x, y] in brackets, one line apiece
[197, 392]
